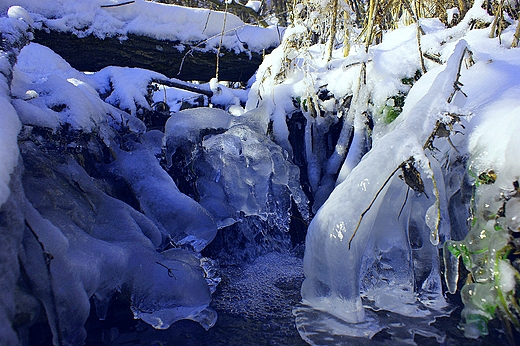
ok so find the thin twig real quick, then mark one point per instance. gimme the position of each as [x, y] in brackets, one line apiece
[201, 43]
[117, 5]
[207, 21]
[372, 203]
[183, 85]
[170, 270]
[47, 258]
[404, 203]
[221, 38]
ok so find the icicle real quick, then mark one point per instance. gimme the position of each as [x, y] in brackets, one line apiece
[451, 271]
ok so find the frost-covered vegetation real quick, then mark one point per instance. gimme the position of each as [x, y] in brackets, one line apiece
[392, 126]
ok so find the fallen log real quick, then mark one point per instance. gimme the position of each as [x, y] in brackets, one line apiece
[174, 59]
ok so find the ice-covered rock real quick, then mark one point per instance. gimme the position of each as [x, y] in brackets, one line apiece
[180, 218]
[11, 232]
[242, 178]
[81, 243]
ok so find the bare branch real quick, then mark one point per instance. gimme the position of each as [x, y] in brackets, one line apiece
[238, 6]
[175, 83]
[117, 5]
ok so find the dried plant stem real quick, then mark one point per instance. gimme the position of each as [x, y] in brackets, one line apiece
[221, 38]
[434, 235]
[421, 57]
[333, 29]
[346, 38]
[370, 26]
[516, 36]
[415, 13]
[462, 8]
[496, 26]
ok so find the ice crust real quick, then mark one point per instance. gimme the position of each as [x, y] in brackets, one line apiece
[76, 244]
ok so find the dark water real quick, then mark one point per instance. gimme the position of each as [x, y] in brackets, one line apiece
[254, 305]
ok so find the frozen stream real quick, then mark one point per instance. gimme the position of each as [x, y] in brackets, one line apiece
[254, 303]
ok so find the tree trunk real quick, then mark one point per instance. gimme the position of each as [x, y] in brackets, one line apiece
[92, 54]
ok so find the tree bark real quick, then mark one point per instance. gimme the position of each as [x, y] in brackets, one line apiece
[92, 54]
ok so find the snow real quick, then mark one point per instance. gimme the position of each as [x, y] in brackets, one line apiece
[452, 14]
[13, 27]
[10, 126]
[255, 5]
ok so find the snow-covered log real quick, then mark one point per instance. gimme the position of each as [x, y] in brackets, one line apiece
[171, 58]
[167, 39]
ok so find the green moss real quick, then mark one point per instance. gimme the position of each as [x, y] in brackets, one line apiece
[391, 114]
[394, 107]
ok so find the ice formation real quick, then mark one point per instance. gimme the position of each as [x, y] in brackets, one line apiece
[160, 199]
[97, 204]
[100, 245]
[376, 233]
[90, 211]
[241, 177]
[390, 246]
